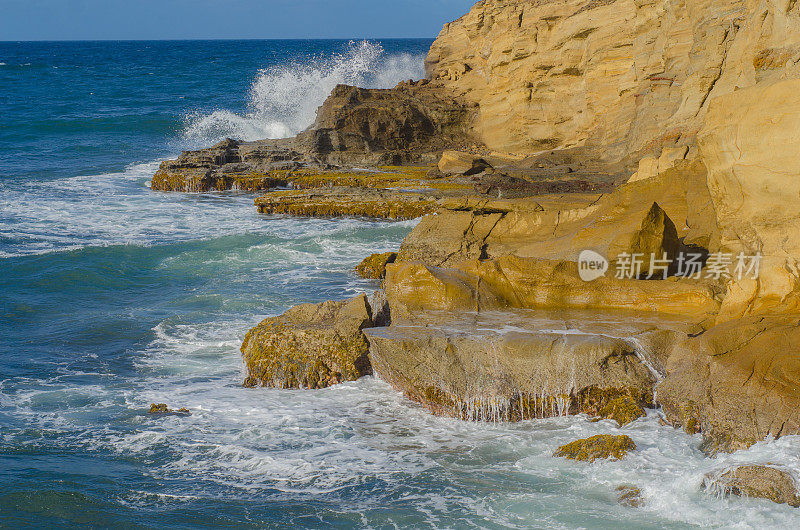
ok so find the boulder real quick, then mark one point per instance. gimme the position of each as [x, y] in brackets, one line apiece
[461, 163]
[374, 267]
[600, 447]
[756, 481]
[737, 383]
[623, 409]
[310, 346]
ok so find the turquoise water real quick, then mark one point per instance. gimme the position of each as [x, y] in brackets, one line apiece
[113, 297]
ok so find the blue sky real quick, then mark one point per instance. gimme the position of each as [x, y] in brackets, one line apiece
[224, 19]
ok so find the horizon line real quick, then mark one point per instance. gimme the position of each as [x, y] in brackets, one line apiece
[217, 39]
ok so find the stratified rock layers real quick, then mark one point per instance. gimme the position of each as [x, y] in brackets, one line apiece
[625, 77]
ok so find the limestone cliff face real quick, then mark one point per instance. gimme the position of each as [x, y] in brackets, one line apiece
[622, 77]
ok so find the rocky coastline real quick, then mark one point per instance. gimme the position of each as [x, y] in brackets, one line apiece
[543, 131]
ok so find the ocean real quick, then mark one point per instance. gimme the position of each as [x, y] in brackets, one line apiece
[113, 297]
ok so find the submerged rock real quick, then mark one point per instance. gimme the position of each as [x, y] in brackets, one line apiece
[310, 346]
[629, 496]
[602, 446]
[374, 266]
[758, 481]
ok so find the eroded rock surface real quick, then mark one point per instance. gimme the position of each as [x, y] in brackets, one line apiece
[310, 346]
[757, 481]
[514, 365]
[737, 383]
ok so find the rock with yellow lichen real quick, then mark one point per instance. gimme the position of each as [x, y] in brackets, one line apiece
[347, 202]
[161, 409]
[310, 346]
[374, 267]
[600, 447]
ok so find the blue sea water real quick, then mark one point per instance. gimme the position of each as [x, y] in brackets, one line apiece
[113, 297]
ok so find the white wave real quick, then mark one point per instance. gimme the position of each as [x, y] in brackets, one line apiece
[283, 100]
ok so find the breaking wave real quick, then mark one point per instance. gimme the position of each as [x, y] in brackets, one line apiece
[283, 100]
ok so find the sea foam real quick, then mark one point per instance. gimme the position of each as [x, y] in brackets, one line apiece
[283, 99]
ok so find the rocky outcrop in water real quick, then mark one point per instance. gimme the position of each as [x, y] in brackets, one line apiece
[374, 267]
[756, 481]
[547, 130]
[600, 447]
[310, 346]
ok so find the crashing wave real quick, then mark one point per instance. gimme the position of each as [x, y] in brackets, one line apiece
[283, 99]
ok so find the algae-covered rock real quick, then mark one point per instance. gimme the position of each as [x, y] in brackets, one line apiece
[629, 496]
[347, 202]
[374, 266]
[602, 446]
[161, 409]
[758, 481]
[623, 410]
[309, 346]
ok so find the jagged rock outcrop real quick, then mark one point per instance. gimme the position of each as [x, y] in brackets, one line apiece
[310, 346]
[562, 226]
[411, 123]
[622, 78]
[756, 481]
[541, 107]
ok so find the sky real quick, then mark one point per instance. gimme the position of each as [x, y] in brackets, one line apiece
[224, 19]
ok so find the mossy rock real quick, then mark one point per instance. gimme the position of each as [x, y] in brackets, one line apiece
[602, 446]
[161, 409]
[374, 267]
[310, 346]
[623, 410]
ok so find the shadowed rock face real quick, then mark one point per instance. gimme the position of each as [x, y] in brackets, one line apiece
[761, 482]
